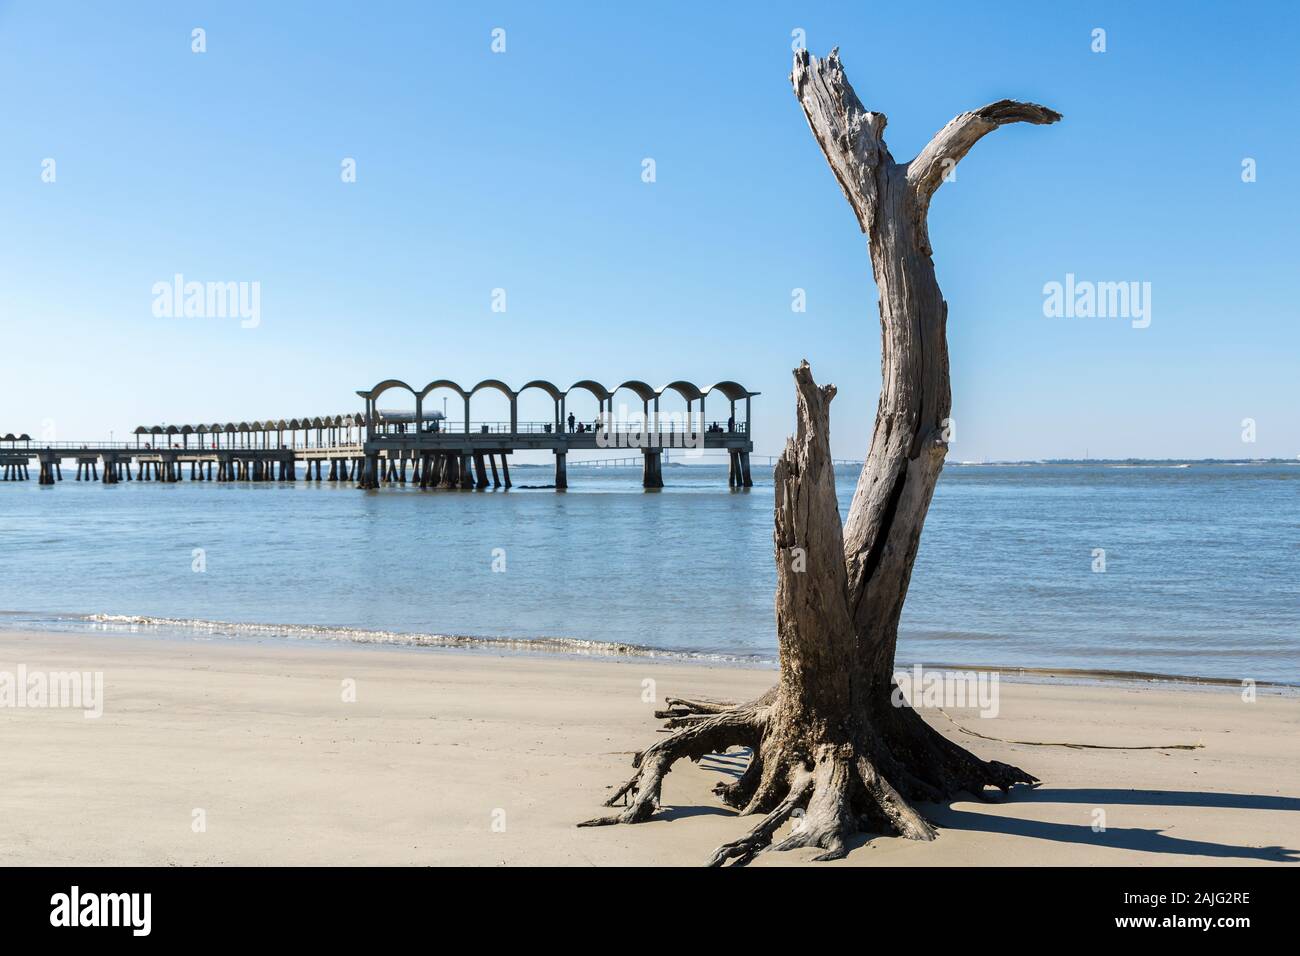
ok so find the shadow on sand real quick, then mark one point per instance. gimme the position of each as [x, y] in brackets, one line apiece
[1125, 838]
[733, 763]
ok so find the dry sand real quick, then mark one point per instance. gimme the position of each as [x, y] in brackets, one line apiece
[440, 745]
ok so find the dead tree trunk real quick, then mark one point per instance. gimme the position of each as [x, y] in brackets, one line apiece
[828, 740]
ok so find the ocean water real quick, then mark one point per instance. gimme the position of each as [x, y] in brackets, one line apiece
[1202, 565]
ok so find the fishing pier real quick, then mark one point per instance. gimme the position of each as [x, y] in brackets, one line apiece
[377, 447]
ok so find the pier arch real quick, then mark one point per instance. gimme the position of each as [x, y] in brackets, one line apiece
[402, 411]
[679, 405]
[533, 412]
[578, 402]
[632, 406]
[737, 403]
[494, 403]
[447, 397]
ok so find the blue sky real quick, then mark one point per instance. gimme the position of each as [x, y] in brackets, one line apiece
[522, 171]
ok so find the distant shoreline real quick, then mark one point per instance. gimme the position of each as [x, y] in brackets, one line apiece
[994, 462]
[1156, 462]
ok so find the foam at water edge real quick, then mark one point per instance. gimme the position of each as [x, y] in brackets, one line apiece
[555, 645]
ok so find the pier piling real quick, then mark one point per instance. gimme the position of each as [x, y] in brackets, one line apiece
[652, 475]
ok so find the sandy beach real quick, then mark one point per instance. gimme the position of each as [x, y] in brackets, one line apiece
[246, 753]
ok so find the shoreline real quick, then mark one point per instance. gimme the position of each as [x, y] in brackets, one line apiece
[182, 629]
[432, 752]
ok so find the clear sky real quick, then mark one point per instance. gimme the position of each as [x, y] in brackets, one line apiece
[523, 171]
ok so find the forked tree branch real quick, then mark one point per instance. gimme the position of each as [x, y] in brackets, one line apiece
[950, 144]
[850, 135]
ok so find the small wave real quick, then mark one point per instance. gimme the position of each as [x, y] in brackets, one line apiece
[548, 645]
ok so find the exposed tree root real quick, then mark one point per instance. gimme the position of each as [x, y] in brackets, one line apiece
[682, 706]
[757, 839]
[830, 795]
[940, 765]
[828, 821]
[897, 812]
[714, 735]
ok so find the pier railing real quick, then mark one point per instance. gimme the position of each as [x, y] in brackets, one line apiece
[664, 426]
[250, 441]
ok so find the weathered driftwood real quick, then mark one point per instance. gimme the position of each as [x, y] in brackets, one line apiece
[827, 741]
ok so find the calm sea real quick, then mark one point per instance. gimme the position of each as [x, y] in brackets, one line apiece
[1201, 565]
